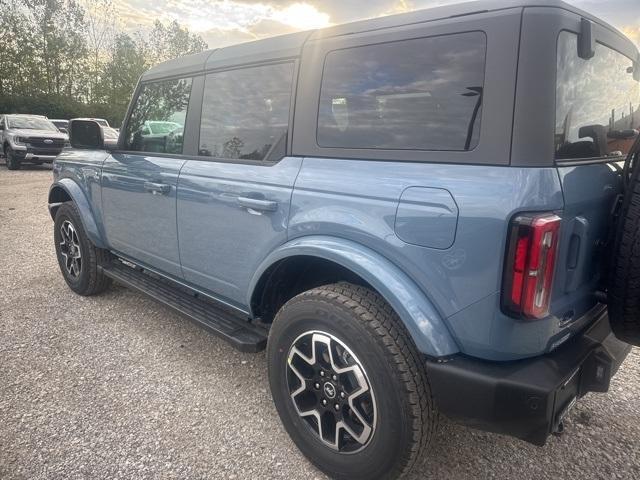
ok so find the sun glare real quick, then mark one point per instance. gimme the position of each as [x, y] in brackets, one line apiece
[302, 16]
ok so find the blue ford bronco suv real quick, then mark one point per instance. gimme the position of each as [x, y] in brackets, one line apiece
[423, 214]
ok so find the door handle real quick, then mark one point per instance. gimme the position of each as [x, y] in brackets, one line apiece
[257, 204]
[157, 188]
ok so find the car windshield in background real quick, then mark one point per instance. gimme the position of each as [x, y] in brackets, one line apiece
[109, 133]
[597, 102]
[30, 123]
[162, 127]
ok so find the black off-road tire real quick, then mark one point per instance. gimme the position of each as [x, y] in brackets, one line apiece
[90, 280]
[624, 275]
[406, 414]
[10, 159]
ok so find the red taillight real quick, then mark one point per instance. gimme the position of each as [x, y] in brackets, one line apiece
[529, 267]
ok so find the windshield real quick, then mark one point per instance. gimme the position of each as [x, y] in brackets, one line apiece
[60, 123]
[101, 122]
[597, 102]
[30, 123]
[109, 133]
[162, 127]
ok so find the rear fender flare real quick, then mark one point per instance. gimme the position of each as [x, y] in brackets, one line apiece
[420, 317]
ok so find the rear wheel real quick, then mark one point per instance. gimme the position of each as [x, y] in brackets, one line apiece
[624, 277]
[78, 258]
[348, 383]
[10, 159]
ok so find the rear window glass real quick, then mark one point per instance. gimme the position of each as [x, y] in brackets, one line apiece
[419, 94]
[597, 102]
[245, 113]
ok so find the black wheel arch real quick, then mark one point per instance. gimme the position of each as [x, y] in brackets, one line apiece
[293, 275]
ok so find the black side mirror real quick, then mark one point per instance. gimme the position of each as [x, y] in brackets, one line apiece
[86, 134]
[586, 40]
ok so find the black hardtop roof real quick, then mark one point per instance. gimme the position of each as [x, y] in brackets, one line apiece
[290, 45]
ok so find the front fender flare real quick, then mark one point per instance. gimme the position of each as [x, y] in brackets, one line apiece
[78, 197]
[418, 314]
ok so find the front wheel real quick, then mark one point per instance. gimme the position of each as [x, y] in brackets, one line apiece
[348, 383]
[78, 258]
[10, 159]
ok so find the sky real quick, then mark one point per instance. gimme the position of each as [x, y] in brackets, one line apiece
[225, 22]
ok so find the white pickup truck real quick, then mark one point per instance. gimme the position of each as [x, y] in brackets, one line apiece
[29, 138]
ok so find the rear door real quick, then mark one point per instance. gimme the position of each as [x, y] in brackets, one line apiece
[597, 110]
[139, 183]
[233, 202]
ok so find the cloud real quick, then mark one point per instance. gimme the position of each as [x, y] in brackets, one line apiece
[633, 32]
[224, 22]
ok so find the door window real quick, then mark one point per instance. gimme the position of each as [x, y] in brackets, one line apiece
[158, 116]
[245, 113]
[418, 94]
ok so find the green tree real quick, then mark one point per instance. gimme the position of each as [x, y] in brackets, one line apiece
[65, 59]
[61, 44]
[171, 41]
[121, 73]
[101, 32]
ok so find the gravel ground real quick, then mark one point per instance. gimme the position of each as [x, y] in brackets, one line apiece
[117, 386]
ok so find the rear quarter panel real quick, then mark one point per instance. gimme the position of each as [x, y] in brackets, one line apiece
[462, 281]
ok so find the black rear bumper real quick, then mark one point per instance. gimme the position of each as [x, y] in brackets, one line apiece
[527, 399]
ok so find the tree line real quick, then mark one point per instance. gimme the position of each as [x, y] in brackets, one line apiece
[69, 58]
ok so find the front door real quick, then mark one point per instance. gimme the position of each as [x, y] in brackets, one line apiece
[233, 203]
[139, 184]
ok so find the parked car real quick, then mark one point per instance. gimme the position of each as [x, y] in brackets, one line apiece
[61, 125]
[412, 214]
[159, 136]
[110, 136]
[29, 138]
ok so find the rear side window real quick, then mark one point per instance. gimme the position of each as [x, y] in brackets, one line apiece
[597, 102]
[419, 94]
[245, 113]
[158, 116]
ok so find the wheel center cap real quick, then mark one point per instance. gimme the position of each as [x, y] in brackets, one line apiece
[329, 390]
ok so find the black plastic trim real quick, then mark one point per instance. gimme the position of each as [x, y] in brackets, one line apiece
[213, 316]
[527, 399]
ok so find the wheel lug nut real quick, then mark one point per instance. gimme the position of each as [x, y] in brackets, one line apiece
[337, 407]
[324, 401]
[317, 385]
[342, 395]
[321, 373]
[335, 378]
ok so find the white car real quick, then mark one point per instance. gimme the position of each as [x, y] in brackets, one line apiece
[30, 138]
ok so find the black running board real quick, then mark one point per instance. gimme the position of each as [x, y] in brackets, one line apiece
[218, 319]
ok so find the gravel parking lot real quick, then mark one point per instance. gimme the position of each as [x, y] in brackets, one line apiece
[117, 386]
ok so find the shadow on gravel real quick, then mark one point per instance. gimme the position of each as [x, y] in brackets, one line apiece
[29, 166]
